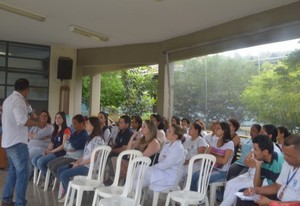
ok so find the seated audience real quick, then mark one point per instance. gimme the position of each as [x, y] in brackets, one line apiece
[203, 127]
[234, 127]
[234, 185]
[267, 168]
[194, 144]
[60, 135]
[163, 175]
[123, 136]
[148, 144]
[282, 134]
[39, 138]
[81, 166]
[287, 186]
[175, 120]
[136, 125]
[73, 146]
[105, 129]
[223, 151]
[161, 135]
[238, 167]
[185, 123]
[212, 136]
[166, 124]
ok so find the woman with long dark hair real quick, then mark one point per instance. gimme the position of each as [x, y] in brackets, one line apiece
[223, 150]
[194, 144]
[60, 135]
[81, 166]
[104, 129]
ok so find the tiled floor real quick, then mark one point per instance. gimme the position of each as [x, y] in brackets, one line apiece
[37, 197]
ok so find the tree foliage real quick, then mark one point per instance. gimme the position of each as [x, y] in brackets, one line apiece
[274, 95]
[112, 93]
[139, 87]
[210, 87]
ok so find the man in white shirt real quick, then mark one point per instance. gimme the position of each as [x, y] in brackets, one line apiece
[287, 185]
[15, 123]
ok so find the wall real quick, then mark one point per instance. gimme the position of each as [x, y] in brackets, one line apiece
[277, 24]
[54, 83]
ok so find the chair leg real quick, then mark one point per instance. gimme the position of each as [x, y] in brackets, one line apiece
[39, 177]
[68, 195]
[79, 197]
[144, 196]
[54, 184]
[47, 179]
[212, 194]
[168, 200]
[155, 198]
[35, 174]
[60, 190]
[95, 200]
[72, 196]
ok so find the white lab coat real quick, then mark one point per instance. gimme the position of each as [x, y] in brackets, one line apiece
[164, 174]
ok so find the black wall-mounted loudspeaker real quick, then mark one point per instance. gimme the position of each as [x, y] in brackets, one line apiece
[64, 68]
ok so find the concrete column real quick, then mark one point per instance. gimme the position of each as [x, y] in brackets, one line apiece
[95, 94]
[163, 104]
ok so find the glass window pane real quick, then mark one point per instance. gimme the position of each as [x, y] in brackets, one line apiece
[34, 79]
[2, 77]
[38, 106]
[38, 94]
[29, 51]
[27, 64]
[2, 62]
[2, 48]
[253, 85]
[34, 93]
[2, 95]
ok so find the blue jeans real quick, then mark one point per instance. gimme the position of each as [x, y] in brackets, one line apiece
[42, 162]
[18, 174]
[216, 176]
[65, 174]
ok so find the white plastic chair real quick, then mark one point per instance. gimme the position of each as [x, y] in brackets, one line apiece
[185, 196]
[35, 175]
[133, 175]
[89, 182]
[174, 188]
[47, 178]
[115, 189]
[213, 190]
[214, 186]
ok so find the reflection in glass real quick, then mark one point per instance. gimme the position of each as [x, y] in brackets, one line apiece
[34, 79]
[2, 95]
[2, 77]
[28, 64]
[2, 48]
[29, 51]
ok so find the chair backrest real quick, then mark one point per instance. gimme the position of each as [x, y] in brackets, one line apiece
[98, 162]
[206, 166]
[135, 177]
[179, 172]
[130, 155]
[207, 148]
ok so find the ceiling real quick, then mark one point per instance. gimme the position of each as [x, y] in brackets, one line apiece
[124, 21]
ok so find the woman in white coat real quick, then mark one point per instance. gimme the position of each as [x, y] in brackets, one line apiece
[164, 174]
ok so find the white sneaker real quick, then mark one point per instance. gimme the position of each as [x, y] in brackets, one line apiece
[62, 200]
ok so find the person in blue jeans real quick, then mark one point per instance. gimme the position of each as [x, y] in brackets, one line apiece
[222, 148]
[55, 149]
[15, 123]
[81, 166]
